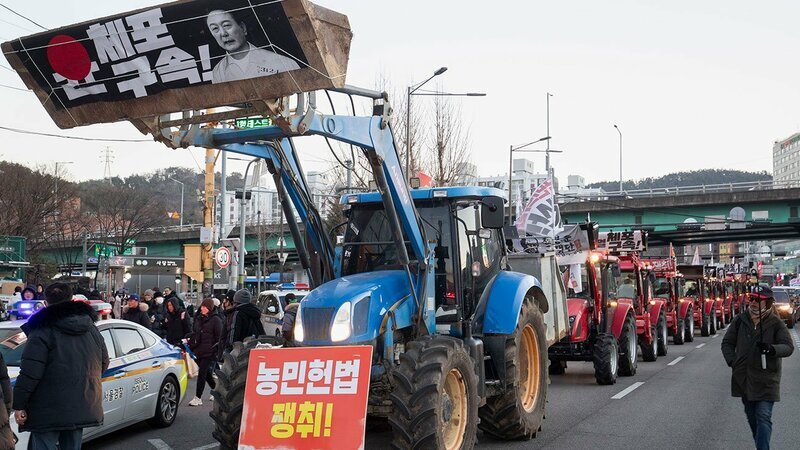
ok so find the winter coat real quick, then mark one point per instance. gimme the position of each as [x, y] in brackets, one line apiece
[740, 349]
[6, 435]
[31, 289]
[177, 325]
[156, 313]
[138, 315]
[246, 322]
[174, 295]
[227, 328]
[289, 316]
[64, 359]
[205, 338]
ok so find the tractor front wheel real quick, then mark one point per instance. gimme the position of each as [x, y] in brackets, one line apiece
[629, 347]
[605, 356]
[712, 318]
[689, 322]
[435, 396]
[705, 327]
[680, 331]
[662, 333]
[518, 412]
[650, 350]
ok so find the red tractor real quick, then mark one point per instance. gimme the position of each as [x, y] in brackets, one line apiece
[715, 278]
[667, 285]
[736, 287]
[636, 289]
[600, 330]
[696, 290]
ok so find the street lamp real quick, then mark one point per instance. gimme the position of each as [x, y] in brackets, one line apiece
[182, 186]
[410, 91]
[511, 151]
[242, 205]
[620, 157]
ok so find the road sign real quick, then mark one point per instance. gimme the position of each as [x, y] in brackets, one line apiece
[304, 398]
[223, 257]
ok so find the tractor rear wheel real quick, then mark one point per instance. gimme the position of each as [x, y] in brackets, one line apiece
[680, 331]
[605, 356]
[689, 322]
[650, 351]
[519, 411]
[435, 396]
[226, 411]
[629, 347]
[662, 333]
[705, 327]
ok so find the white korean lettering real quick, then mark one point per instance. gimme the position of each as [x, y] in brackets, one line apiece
[137, 85]
[176, 64]
[111, 41]
[345, 378]
[267, 379]
[319, 377]
[293, 371]
[74, 89]
[148, 31]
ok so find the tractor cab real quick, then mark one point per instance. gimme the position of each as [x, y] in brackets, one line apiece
[667, 286]
[697, 289]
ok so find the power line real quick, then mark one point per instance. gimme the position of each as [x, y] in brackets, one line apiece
[62, 136]
[15, 88]
[26, 18]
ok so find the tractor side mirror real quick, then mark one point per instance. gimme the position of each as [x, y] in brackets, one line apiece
[492, 213]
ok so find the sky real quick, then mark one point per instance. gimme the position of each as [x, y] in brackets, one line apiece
[691, 85]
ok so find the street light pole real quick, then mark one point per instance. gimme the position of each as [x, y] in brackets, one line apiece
[409, 92]
[55, 186]
[182, 186]
[547, 150]
[511, 150]
[241, 225]
[620, 157]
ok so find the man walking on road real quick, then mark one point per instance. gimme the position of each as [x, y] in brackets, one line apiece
[58, 392]
[753, 345]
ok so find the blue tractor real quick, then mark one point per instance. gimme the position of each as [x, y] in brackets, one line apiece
[422, 276]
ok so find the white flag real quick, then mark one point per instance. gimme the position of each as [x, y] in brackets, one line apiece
[540, 216]
[696, 259]
[575, 281]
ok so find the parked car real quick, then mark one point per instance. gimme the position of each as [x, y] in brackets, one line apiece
[103, 309]
[785, 305]
[272, 305]
[145, 380]
[23, 309]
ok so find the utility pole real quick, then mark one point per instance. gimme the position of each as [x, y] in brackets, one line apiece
[55, 187]
[224, 195]
[547, 150]
[349, 175]
[208, 222]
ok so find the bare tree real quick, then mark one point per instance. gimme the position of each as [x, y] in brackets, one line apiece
[121, 215]
[64, 236]
[399, 118]
[448, 150]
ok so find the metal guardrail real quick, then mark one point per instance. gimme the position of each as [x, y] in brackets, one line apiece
[686, 190]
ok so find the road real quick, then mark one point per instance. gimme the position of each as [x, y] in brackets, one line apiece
[680, 401]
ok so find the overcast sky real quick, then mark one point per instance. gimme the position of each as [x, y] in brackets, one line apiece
[691, 84]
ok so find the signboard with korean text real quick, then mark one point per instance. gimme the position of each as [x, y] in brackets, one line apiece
[622, 241]
[661, 264]
[571, 245]
[179, 56]
[306, 397]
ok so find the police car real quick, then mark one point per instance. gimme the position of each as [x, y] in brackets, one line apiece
[23, 309]
[145, 380]
[272, 304]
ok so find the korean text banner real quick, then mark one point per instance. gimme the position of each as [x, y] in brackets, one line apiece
[180, 56]
[306, 397]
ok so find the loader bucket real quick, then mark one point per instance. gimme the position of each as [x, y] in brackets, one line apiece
[182, 56]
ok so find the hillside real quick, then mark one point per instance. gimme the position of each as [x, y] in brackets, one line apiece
[692, 178]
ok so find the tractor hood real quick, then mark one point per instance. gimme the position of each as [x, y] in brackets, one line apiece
[369, 296]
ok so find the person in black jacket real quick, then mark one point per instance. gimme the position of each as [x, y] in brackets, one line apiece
[755, 332]
[246, 320]
[58, 392]
[177, 323]
[136, 311]
[7, 441]
[204, 343]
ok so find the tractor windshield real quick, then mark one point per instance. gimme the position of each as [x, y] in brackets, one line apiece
[662, 287]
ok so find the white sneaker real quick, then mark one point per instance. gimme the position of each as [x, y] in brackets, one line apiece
[211, 398]
[195, 402]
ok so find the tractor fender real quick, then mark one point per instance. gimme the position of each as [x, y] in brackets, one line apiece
[683, 308]
[708, 307]
[499, 306]
[655, 310]
[618, 315]
[579, 315]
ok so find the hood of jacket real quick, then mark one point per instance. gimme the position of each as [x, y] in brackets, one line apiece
[250, 310]
[176, 307]
[142, 307]
[69, 317]
[30, 289]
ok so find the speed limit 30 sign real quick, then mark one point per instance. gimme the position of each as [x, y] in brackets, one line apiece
[223, 257]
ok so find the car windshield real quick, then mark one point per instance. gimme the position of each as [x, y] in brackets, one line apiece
[780, 296]
[12, 343]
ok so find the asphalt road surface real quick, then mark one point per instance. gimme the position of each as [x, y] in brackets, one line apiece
[680, 401]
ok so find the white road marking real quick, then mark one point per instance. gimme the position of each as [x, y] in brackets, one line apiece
[712, 337]
[627, 390]
[701, 345]
[675, 361]
[159, 444]
[207, 446]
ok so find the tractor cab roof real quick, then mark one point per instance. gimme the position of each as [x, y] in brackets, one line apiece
[459, 192]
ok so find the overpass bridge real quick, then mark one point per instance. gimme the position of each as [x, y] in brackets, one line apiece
[682, 218]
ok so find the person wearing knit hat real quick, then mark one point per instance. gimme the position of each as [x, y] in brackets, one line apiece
[246, 319]
[204, 342]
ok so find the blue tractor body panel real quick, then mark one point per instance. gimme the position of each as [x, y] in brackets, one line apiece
[429, 193]
[499, 306]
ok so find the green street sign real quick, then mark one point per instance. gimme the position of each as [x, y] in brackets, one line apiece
[252, 122]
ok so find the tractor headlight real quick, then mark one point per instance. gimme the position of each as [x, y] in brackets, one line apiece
[341, 328]
[298, 324]
[785, 307]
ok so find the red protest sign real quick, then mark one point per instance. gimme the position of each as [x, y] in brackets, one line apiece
[306, 397]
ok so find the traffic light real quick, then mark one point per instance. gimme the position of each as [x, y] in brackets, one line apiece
[247, 194]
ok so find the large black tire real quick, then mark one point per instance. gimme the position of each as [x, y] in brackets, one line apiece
[519, 411]
[629, 347]
[680, 331]
[605, 356]
[167, 403]
[662, 335]
[712, 328]
[435, 396]
[229, 393]
[650, 351]
[689, 322]
[705, 327]
[557, 367]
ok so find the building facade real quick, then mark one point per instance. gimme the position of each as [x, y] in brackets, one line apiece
[786, 159]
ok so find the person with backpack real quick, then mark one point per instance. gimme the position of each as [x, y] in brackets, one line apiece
[753, 346]
[245, 320]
